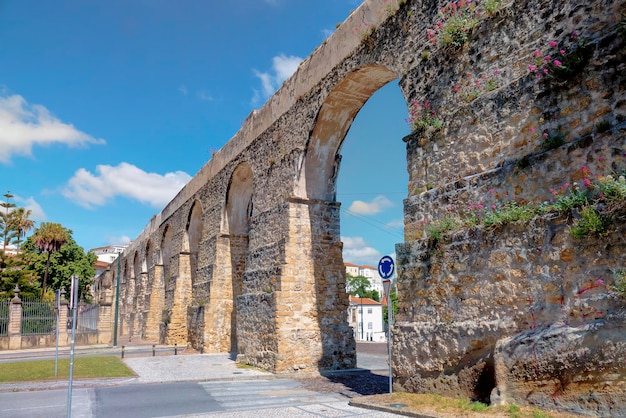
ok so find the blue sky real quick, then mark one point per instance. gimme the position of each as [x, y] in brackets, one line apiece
[108, 108]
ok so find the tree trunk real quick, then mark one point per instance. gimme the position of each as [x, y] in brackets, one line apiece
[45, 276]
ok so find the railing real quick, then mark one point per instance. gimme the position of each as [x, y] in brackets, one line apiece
[38, 318]
[87, 318]
[4, 317]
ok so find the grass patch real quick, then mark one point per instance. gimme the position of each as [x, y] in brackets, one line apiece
[84, 368]
[448, 407]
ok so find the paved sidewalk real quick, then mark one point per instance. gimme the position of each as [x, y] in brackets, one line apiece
[163, 367]
[190, 367]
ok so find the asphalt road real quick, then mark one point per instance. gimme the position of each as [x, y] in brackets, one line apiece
[209, 385]
[270, 398]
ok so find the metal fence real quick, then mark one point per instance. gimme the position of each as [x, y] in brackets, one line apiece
[4, 317]
[38, 317]
[87, 318]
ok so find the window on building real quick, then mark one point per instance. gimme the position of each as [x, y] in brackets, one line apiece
[369, 310]
[370, 325]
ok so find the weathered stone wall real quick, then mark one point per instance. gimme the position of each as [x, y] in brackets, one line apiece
[516, 314]
[525, 309]
[267, 270]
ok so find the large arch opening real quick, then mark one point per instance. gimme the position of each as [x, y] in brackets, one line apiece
[188, 271]
[139, 295]
[151, 267]
[165, 256]
[193, 235]
[239, 206]
[319, 184]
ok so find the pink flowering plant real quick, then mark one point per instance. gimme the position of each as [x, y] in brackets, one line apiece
[456, 20]
[423, 118]
[472, 86]
[551, 139]
[561, 61]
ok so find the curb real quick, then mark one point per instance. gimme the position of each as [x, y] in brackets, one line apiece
[389, 409]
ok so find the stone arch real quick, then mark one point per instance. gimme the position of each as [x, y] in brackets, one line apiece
[166, 251]
[178, 329]
[193, 231]
[316, 259]
[318, 174]
[140, 293]
[239, 202]
[221, 318]
[192, 238]
[128, 287]
[153, 270]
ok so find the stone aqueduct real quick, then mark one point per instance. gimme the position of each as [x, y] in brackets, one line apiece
[247, 258]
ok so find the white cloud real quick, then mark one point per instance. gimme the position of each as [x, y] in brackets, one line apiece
[356, 250]
[283, 67]
[127, 180]
[377, 205]
[183, 90]
[119, 240]
[36, 212]
[23, 125]
[395, 224]
[205, 96]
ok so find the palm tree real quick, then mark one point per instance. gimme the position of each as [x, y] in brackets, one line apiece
[21, 224]
[50, 237]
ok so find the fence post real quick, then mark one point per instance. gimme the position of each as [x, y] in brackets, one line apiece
[63, 334]
[15, 321]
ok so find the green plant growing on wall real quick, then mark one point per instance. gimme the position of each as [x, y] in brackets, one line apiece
[605, 192]
[590, 223]
[552, 140]
[457, 19]
[437, 231]
[620, 281]
[364, 31]
[472, 86]
[492, 7]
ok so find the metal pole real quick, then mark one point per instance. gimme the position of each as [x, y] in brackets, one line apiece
[389, 314]
[362, 316]
[56, 354]
[73, 303]
[117, 300]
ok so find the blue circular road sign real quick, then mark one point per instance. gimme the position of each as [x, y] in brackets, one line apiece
[386, 267]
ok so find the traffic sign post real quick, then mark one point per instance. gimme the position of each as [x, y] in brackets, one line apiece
[74, 308]
[386, 268]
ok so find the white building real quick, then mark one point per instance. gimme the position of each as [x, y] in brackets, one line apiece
[365, 316]
[371, 273]
[109, 253]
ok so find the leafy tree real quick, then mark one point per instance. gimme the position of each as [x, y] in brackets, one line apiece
[12, 272]
[394, 300]
[20, 224]
[5, 223]
[69, 260]
[49, 238]
[360, 286]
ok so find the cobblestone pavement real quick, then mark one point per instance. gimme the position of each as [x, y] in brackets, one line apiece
[350, 385]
